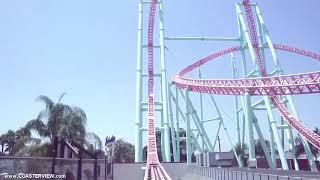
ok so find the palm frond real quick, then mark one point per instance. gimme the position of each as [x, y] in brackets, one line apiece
[43, 114]
[61, 96]
[47, 101]
[38, 126]
[93, 138]
[80, 114]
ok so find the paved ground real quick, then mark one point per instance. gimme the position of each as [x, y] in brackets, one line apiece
[193, 177]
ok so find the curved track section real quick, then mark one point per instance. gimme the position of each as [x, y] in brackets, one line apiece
[154, 170]
[303, 83]
[271, 86]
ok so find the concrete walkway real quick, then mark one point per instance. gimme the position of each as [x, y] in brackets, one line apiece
[193, 177]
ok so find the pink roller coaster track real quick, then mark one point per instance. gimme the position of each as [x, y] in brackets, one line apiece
[305, 83]
[271, 86]
[154, 169]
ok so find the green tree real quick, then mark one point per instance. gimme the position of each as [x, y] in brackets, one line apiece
[93, 141]
[10, 138]
[315, 150]
[61, 120]
[299, 145]
[123, 152]
[58, 119]
[241, 150]
[3, 143]
[258, 148]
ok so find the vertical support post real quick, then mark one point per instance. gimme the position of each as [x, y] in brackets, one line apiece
[275, 133]
[184, 119]
[252, 162]
[95, 166]
[105, 167]
[138, 124]
[221, 123]
[244, 65]
[196, 119]
[234, 76]
[305, 143]
[173, 138]
[217, 134]
[240, 163]
[201, 114]
[282, 123]
[188, 138]
[167, 157]
[177, 125]
[62, 145]
[272, 165]
[293, 149]
[54, 154]
[272, 144]
[162, 135]
[80, 165]
[243, 129]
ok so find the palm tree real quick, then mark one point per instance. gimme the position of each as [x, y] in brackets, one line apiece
[10, 138]
[56, 119]
[14, 141]
[61, 120]
[93, 139]
[2, 143]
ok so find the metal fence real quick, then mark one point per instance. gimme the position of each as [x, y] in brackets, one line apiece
[252, 174]
[40, 165]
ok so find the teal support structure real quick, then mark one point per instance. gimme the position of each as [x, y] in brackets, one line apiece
[188, 128]
[201, 114]
[177, 125]
[172, 131]
[252, 161]
[164, 94]
[235, 76]
[160, 102]
[191, 117]
[138, 124]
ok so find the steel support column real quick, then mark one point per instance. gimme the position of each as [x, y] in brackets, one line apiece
[138, 124]
[252, 161]
[166, 131]
[188, 129]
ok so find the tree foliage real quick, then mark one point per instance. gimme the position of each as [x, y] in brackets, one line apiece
[300, 148]
[258, 148]
[123, 152]
[56, 119]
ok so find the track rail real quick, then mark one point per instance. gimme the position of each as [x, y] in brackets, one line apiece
[271, 86]
[304, 83]
[154, 170]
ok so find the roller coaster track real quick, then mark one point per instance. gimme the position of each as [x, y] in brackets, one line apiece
[274, 86]
[154, 170]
